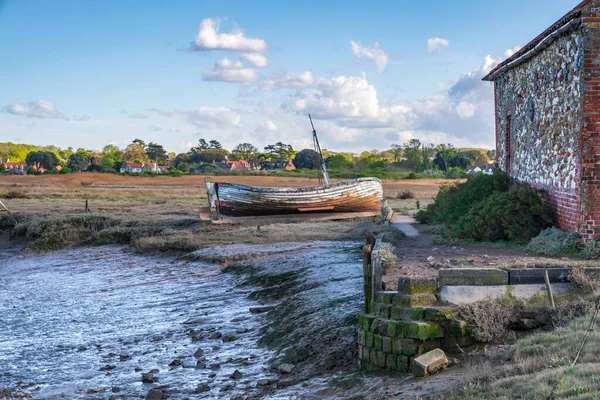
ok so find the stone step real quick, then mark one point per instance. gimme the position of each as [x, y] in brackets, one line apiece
[411, 286]
[472, 277]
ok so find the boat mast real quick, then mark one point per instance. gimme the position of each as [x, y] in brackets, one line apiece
[318, 147]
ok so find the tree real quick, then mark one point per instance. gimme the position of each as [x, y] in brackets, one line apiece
[413, 155]
[77, 162]
[134, 153]
[279, 151]
[446, 152]
[202, 145]
[396, 152]
[84, 153]
[139, 142]
[213, 144]
[113, 152]
[308, 159]
[42, 159]
[208, 156]
[340, 161]
[245, 151]
[2, 168]
[156, 153]
[184, 167]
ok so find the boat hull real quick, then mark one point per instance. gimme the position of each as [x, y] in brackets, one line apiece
[358, 195]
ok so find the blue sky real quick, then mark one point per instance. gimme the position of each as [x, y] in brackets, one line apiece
[88, 73]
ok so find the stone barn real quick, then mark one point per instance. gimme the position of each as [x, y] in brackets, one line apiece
[547, 98]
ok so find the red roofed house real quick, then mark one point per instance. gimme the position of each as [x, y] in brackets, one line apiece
[131, 167]
[16, 167]
[547, 98]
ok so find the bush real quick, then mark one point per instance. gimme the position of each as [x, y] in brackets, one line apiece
[15, 195]
[31, 171]
[455, 200]
[518, 215]
[2, 168]
[489, 321]
[591, 249]
[147, 172]
[455, 173]
[405, 195]
[432, 173]
[554, 242]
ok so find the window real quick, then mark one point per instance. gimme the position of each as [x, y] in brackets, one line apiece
[508, 143]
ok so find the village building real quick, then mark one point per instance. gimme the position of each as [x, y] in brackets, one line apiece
[133, 168]
[487, 169]
[287, 165]
[547, 108]
[16, 167]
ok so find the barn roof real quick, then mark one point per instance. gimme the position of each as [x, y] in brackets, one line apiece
[567, 18]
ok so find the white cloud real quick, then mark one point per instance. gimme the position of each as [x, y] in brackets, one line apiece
[255, 59]
[267, 126]
[35, 109]
[154, 128]
[209, 38]
[205, 117]
[226, 63]
[437, 45]
[374, 53]
[231, 75]
[292, 81]
[510, 52]
[138, 116]
[465, 110]
[83, 117]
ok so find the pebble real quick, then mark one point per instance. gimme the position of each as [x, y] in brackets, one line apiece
[203, 387]
[154, 394]
[108, 367]
[236, 375]
[229, 338]
[200, 365]
[149, 378]
[123, 357]
[215, 366]
[199, 353]
[267, 381]
[82, 348]
[175, 363]
[215, 335]
[286, 368]
[226, 388]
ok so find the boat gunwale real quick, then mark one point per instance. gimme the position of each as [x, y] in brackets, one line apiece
[296, 189]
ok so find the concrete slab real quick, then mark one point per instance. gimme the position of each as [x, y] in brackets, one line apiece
[405, 224]
[472, 276]
[470, 294]
[536, 275]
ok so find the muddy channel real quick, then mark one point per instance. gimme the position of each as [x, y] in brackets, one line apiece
[103, 322]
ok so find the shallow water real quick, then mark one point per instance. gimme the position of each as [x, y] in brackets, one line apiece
[90, 320]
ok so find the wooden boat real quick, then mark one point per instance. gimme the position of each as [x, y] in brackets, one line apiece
[357, 195]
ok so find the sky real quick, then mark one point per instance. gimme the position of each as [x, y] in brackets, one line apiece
[85, 73]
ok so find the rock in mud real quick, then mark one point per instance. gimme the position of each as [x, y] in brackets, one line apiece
[198, 353]
[115, 389]
[201, 388]
[236, 375]
[267, 381]
[228, 338]
[94, 391]
[200, 365]
[82, 348]
[215, 366]
[123, 357]
[261, 309]
[430, 363]
[175, 363]
[288, 382]
[226, 388]
[286, 368]
[149, 377]
[154, 394]
[215, 335]
[108, 367]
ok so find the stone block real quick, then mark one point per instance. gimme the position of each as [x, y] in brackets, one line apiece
[429, 345]
[375, 307]
[360, 352]
[390, 362]
[472, 277]
[365, 321]
[373, 357]
[392, 329]
[384, 311]
[381, 358]
[407, 285]
[471, 294]
[386, 344]
[415, 300]
[424, 330]
[365, 354]
[397, 346]
[396, 313]
[410, 347]
[430, 363]
[385, 297]
[377, 342]
[369, 339]
[402, 363]
[440, 314]
[537, 276]
[458, 329]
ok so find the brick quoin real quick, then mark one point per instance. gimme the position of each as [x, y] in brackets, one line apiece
[548, 117]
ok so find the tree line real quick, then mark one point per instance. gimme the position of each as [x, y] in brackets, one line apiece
[412, 156]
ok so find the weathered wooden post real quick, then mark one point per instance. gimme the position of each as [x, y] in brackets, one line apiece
[368, 271]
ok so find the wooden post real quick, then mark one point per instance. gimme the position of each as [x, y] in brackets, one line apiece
[549, 288]
[3, 207]
[86, 205]
[367, 276]
[418, 205]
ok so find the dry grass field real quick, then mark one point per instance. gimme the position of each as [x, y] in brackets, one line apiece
[156, 213]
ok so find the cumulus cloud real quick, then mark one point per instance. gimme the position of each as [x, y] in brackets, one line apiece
[231, 75]
[209, 38]
[255, 59]
[83, 117]
[437, 45]
[205, 117]
[154, 128]
[226, 63]
[510, 52]
[138, 116]
[267, 126]
[374, 53]
[35, 109]
[292, 81]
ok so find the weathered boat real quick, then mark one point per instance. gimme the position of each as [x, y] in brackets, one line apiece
[357, 195]
[352, 196]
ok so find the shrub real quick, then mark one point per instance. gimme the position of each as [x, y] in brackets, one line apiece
[518, 215]
[566, 311]
[591, 249]
[554, 242]
[432, 173]
[31, 171]
[2, 168]
[455, 173]
[147, 172]
[412, 175]
[405, 195]
[455, 200]
[15, 195]
[388, 254]
[489, 321]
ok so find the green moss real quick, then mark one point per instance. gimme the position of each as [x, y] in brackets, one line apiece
[416, 300]
[422, 330]
[440, 314]
[378, 342]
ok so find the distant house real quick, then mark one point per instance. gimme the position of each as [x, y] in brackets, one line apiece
[487, 169]
[152, 167]
[287, 165]
[240, 165]
[132, 167]
[16, 167]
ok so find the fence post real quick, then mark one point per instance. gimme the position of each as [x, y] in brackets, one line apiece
[368, 271]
